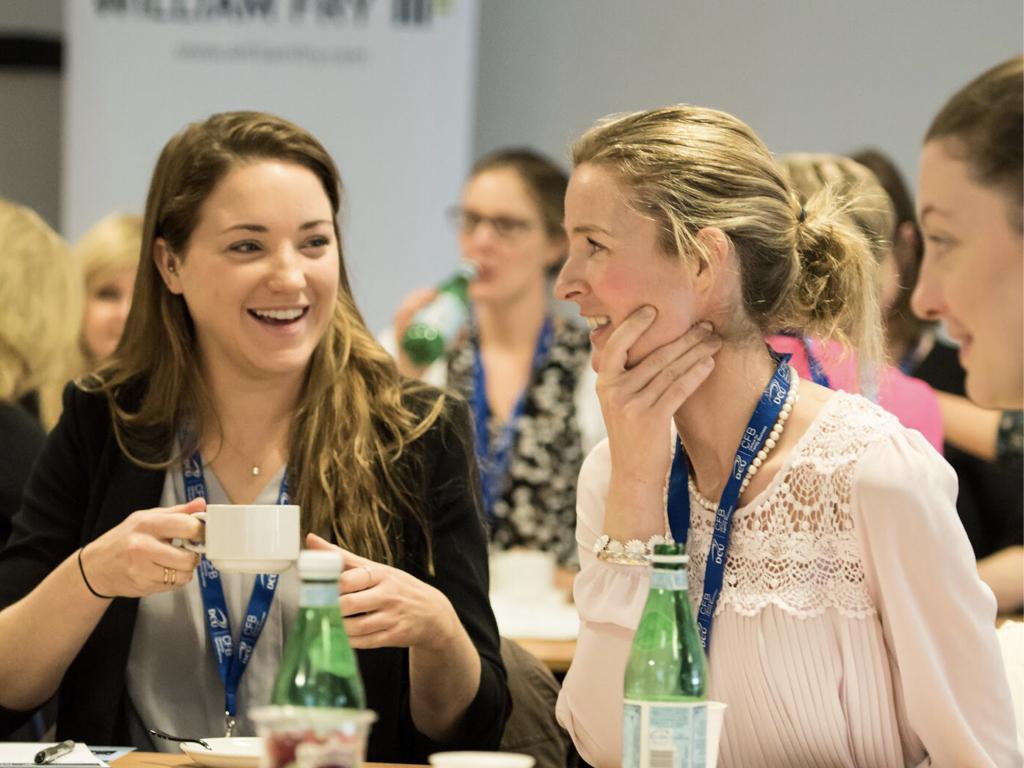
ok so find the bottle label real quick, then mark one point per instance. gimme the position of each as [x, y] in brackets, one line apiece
[446, 314]
[314, 594]
[664, 734]
[675, 581]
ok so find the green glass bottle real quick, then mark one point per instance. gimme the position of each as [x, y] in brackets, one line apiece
[319, 668]
[435, 327]
[665, 714]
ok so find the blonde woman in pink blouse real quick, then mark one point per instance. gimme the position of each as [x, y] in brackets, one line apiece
[846, 624]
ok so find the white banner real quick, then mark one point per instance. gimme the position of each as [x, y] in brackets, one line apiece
[386, 85]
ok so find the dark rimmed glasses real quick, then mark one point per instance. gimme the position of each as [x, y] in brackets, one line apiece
[505, 227]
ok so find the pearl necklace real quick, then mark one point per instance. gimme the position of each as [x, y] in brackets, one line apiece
[759, 459]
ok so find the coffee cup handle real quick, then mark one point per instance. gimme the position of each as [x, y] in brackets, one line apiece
[194, 546]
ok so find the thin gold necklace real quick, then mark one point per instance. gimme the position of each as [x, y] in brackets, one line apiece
[254, 469]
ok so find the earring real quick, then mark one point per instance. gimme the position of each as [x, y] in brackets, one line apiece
[170, 268]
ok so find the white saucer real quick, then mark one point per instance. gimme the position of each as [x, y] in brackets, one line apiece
[237, 752]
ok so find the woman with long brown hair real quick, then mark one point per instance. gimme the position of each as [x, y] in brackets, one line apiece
[244, 351]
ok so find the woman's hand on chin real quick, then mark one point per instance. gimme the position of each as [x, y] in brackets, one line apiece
[638, 403]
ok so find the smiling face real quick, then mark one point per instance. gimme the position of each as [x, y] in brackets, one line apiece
[971, 276]
[260, 272]
[616, 265]
[107, 301]
[502, 232]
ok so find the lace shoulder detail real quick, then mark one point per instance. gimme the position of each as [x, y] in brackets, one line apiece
[795, 547]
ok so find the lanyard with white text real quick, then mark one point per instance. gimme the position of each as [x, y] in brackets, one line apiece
[818, 375]
[230, 665]
[760, 425]
[494, 458]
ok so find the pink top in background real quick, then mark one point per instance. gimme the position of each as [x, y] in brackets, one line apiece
[910, 400]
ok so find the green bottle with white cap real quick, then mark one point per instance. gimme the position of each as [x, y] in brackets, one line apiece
[319, 667]
[435, 327]
[665, 708]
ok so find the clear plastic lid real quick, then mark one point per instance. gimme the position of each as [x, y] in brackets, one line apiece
[319, 564]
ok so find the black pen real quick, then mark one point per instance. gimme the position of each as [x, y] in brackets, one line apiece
[50, 754]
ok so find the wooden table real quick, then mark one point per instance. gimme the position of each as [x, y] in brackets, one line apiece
[556, 654]
[162, 760]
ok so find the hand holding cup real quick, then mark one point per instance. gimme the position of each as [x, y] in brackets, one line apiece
[137, 557]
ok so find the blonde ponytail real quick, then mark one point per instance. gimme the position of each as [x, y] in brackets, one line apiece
[836, 283]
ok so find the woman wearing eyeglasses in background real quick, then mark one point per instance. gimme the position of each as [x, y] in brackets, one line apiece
[525, 372]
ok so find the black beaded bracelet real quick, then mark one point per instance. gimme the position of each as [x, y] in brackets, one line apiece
[1010, 437]
[87, 584]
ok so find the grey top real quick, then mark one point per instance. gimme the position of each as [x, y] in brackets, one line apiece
[173, 681]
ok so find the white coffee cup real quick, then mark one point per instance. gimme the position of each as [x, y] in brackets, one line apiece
[716, 714]
[249, 538]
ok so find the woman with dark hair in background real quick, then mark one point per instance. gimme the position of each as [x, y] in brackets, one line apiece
[525, 370]
[971, 212]
[904, 331]
[990, 498]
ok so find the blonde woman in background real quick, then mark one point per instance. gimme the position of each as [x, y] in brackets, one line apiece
[866, 204]
[40, 301]
[845, 621]
[109, 257]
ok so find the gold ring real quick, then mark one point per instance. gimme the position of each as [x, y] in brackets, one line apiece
[174, 576]
[167, 575]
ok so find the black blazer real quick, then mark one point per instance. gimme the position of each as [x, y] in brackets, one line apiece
[83, 485]
[21, 440]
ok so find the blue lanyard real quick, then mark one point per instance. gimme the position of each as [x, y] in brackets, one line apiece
[818, 375]
[761, 422]
[817, 370]
[494, 458]
[230, 665]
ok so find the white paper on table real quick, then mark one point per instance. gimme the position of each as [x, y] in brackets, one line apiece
[541, 617]
[23, 753]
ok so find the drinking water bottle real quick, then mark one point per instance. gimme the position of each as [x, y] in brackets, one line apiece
[435, 327]
[665, 713]
[319, 668]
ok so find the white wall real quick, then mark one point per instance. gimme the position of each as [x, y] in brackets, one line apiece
[807, 75]
[390, 100]
[30, 114]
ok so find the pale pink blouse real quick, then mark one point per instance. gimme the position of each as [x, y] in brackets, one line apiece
[852, 628]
